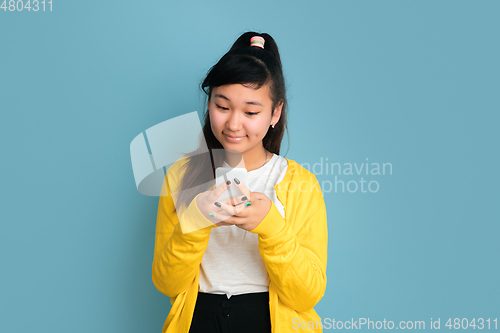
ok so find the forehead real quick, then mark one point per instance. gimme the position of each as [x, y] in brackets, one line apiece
[242, 94]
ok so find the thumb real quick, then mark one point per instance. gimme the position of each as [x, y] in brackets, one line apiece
[260, 196]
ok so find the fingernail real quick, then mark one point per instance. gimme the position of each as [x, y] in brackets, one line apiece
[248, 204]
[228, 183]
[244, 199]
[237, 181]
[211, 214]
[217, 204]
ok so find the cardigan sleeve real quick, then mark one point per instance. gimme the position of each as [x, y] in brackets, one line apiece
[294, 248]
[177, 255]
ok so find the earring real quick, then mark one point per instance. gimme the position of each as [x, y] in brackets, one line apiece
[272, 125]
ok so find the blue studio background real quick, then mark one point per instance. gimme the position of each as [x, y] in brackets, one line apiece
[413, 84]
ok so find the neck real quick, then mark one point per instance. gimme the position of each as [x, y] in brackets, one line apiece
[249, 160]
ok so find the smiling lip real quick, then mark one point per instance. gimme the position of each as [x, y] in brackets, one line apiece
[234, 138]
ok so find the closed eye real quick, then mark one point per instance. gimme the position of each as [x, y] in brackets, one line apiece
[248, 113]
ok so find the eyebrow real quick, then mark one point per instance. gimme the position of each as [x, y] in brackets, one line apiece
[249, 102]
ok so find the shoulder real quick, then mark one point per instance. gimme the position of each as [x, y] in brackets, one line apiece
[175, 173]
[298, 172]
[177, 166]
[301, 183]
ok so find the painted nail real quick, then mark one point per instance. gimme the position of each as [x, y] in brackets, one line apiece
[217, 204]
[248, 204]
[244, 199]
[211, 214]
[237, 181]
[228, 183]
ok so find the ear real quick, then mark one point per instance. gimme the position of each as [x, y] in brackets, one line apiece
[277, 113]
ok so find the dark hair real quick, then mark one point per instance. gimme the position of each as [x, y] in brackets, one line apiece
[242, 64]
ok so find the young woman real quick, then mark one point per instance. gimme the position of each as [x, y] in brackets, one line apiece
[255, 263]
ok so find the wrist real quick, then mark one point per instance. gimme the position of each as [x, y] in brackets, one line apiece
[272, 223]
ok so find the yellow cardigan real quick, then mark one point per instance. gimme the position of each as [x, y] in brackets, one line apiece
[294, 250]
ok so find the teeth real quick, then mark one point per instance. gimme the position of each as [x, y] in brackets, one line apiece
[232, 138]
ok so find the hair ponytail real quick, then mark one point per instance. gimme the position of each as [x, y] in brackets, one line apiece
[242, 64]
[270, 46]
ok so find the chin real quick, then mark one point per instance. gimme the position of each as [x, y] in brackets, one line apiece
[233, 148]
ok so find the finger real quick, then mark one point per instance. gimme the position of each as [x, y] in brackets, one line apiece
[220, 224]
[243, 189]
[237, 200]
[260, 196]
[232, 201]
[229, 209]
[236, 220]
[219, 216]
[219, 190]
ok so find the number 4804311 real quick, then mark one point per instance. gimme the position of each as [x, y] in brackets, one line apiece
[19, 5]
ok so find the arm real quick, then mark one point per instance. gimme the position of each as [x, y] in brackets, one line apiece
[294, 248]
[177, 255]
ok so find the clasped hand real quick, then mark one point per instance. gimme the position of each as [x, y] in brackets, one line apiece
[234, 211]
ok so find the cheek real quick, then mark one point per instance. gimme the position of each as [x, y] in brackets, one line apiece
[215, 121]
[258, 127]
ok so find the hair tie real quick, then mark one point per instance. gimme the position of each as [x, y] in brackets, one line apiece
[257, 41]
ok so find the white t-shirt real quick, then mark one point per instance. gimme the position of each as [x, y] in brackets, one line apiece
[232, 263]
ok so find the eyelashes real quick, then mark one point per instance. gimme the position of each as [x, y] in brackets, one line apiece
[248, 113]
[222, 108]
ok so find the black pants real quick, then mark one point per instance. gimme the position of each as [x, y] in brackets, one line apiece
[243, 313]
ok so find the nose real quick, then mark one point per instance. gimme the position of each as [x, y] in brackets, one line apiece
[234, 123]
